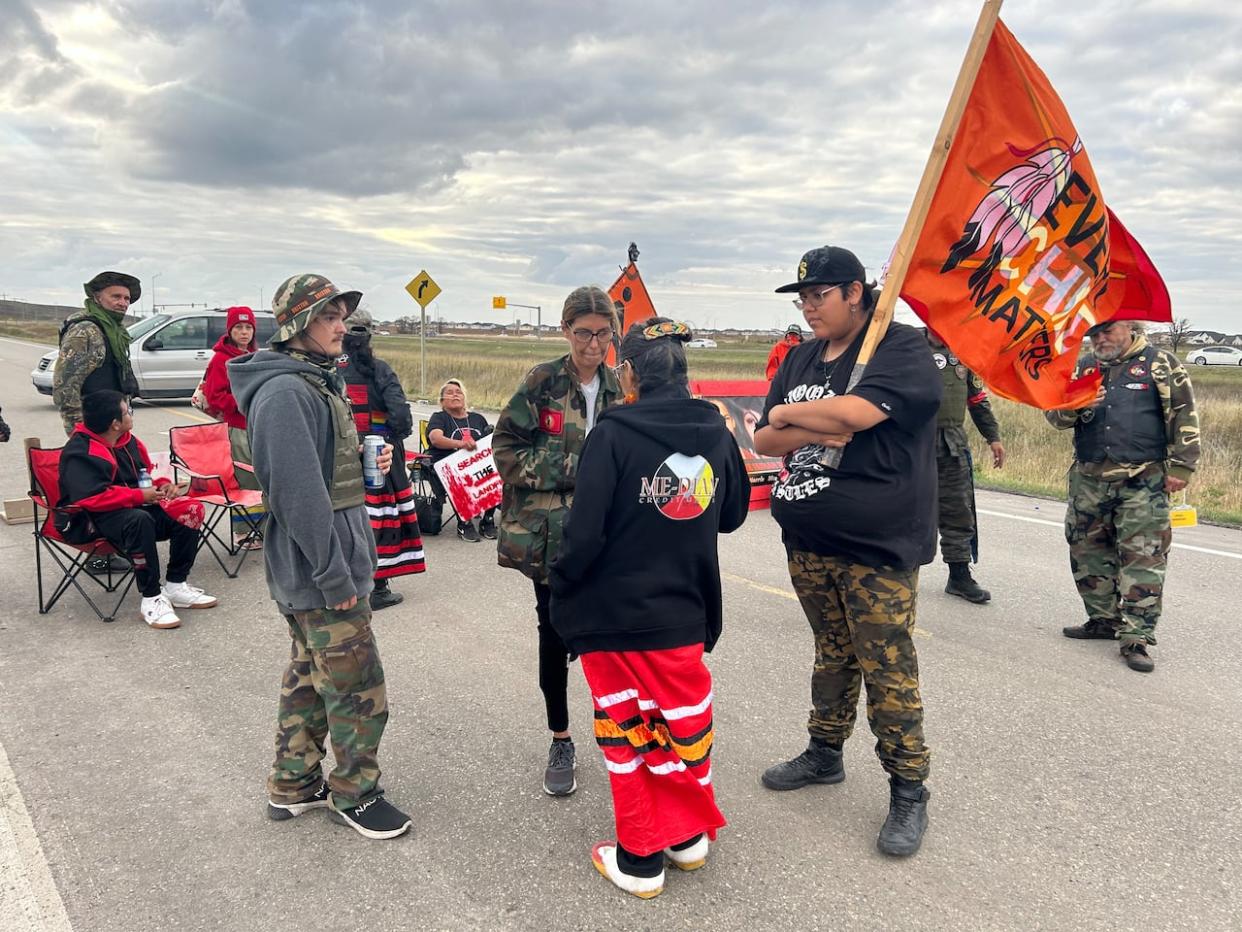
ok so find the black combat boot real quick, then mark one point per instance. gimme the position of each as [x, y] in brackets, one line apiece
[961, 583]
[902, 832]
[821, 762]
[1092, 630]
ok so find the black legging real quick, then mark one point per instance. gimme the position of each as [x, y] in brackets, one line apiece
[553, 664]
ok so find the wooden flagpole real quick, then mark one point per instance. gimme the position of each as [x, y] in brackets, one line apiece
[913, 228]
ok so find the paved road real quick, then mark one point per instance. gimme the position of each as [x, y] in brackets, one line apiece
[1068, 791]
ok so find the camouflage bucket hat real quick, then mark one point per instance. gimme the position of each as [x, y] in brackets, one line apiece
[300, 297]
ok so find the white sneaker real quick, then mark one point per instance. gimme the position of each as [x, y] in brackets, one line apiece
[183, 595]
[158, 613]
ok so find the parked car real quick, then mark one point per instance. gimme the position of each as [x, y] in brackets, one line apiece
[169, 352]
[1216, 356]
[702, 344]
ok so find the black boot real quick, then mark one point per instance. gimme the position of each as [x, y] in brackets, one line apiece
[902, 832]
[383, 597]
[821, 762]
[1093, 630]
[961, 583]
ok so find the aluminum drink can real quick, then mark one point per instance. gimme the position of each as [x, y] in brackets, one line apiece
[372, 477]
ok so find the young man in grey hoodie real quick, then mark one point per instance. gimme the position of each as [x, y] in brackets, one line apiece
[320, 557]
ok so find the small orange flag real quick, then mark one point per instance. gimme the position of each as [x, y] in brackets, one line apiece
[1019, 254]
[632, 301]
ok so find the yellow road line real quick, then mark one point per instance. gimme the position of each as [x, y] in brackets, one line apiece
[188, 415]
[786, 594]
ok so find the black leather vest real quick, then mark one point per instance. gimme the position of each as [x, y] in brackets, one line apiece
[1128, 426]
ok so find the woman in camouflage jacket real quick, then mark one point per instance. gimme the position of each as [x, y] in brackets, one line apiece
[536, 445]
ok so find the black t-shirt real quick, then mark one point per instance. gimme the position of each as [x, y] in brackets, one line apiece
[454, 428]
[879, 507]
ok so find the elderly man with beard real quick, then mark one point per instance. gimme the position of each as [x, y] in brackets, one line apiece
[1136, 443]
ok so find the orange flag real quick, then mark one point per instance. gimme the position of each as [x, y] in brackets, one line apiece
[632, 301]
[1019, 254]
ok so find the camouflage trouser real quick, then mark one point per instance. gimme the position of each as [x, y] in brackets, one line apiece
[862, 619]
[1118, 533]
[956, 493]
[333, 688]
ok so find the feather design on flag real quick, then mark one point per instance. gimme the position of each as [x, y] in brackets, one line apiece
[1017, 201]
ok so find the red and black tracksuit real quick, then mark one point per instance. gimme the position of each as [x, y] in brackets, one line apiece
[102, 480]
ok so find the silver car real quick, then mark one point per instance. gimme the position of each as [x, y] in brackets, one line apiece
[169, 353]
[1216, 356]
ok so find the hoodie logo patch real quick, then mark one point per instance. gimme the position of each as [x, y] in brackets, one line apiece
[682, 488]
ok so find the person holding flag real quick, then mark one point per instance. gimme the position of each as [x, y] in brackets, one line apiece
[1134, 444]
[857, 534]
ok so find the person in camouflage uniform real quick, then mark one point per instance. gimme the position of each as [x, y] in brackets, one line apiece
[536, 445]
[963, 391]
[1137, 442]
[94, 346]
[320, 556]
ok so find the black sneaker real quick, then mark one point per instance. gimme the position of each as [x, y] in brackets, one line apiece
[1092, 629]
[819, 763]
[376, 818]
[385, 598]
[100, 566]
[487, 528]
[1137, 658]
[466, 531]
[278, 812]
[902, 832]
[558, 779]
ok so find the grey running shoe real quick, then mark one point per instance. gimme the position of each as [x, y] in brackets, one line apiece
[558, 779]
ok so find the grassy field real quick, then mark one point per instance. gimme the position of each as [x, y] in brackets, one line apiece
[1038, 455]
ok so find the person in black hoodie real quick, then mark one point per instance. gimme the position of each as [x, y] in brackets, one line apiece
[636, 593]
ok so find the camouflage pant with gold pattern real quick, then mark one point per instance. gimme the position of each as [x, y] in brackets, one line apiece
[863, 618]
[332, 689]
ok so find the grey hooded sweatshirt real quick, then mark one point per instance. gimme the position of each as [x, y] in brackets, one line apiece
[315, 557]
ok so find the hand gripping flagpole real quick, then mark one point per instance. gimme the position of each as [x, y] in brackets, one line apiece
[913, 228]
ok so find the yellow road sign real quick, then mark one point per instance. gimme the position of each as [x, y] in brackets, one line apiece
[423, 288]
[498, 303]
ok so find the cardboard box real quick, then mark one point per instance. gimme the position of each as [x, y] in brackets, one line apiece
[18, 511]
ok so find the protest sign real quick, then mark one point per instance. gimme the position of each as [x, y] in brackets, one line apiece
[471, 480]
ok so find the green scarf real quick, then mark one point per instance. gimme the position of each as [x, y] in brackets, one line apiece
[335, 380]
[117, 337]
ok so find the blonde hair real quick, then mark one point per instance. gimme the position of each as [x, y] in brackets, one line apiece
[448, 382]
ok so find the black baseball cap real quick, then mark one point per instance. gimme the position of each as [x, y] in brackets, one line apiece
[827, 265]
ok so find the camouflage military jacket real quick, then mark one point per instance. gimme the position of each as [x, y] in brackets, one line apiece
[536, 445]
[82, 351]
[1177, 403]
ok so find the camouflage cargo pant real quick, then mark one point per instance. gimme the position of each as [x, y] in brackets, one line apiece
[332, 689]
[956, 494]
[1118, 533]
[862, 619]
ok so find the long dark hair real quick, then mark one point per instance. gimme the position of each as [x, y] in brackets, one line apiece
[658, 354]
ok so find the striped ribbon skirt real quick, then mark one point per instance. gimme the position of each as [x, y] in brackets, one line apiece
[394, 521]
[653, 721]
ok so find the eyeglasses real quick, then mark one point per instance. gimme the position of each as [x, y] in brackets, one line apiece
[585, 337]
[815, 300]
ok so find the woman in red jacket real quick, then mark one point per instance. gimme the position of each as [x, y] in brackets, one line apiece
[238, 340]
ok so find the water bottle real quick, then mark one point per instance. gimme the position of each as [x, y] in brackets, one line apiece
[144, 479]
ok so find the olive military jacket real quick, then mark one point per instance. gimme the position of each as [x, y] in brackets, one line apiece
[536, 446]
[1177, 406]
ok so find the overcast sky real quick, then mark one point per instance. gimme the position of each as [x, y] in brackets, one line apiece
[214, 148]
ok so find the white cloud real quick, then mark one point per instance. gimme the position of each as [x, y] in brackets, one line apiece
[517, 149]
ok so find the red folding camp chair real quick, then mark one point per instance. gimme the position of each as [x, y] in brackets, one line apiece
[44, 467]
[203, 454]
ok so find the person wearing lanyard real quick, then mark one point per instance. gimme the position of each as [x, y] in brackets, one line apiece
[454, 427]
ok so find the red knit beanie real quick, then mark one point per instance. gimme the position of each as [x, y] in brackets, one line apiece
[241, 315]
